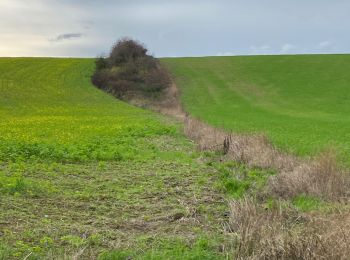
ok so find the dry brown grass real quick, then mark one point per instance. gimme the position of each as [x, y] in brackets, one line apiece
[170, 104]
[320, 178]
[253, 150]
[283, 233]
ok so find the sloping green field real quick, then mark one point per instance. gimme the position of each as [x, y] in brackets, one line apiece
[82, 173]
[85, 176]
[50, 111]
[302, 103]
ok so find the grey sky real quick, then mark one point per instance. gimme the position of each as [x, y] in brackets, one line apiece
[86, 28]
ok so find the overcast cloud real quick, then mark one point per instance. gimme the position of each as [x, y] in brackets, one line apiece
[86, 28]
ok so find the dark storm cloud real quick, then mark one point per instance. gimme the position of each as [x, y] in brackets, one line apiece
[177, 27]
[66, 36]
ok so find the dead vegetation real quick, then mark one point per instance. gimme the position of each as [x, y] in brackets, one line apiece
[281, 232]
[253, 150]
[320, 178]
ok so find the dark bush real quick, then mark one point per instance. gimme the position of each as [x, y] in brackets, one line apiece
[101, 79]
[129, 69]
[100, 63]
[120, 86]
[126, 50]
[146, 63]
[157, 79]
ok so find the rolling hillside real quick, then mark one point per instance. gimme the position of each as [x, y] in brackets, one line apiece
[300, 102]
[86, 176]
[82, 173]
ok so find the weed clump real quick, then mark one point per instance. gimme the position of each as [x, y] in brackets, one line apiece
[321, 178]
[18, 185]
[281, 232]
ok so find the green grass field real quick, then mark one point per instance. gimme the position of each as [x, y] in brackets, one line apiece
[83, 174]
[300, 102]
